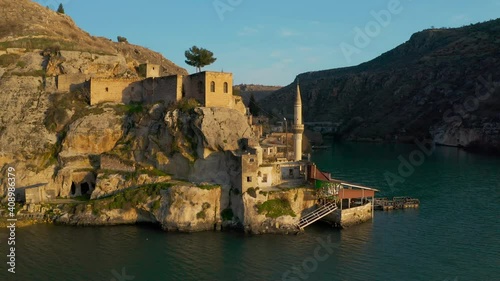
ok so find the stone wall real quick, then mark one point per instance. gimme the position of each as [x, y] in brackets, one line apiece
[194, 87]
[115, 164]
[71, 82]
[249, 168]
[35, 194]
[152, 70]
[167, 89]
[219, 97]
[237, 103]
[352, 216]
[266, 177]
[115, 90]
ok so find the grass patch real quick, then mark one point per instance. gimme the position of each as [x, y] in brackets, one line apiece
[209, 186]
[39, 43]
[33, 73]
[133, 108]
[275, 208]
[85, 197]
[56, 116]
[184, 105]
[8, 59]
[156, 205]
[227, 214]
[201, 215]
[252, 192]
[153, 172]
[130, 198]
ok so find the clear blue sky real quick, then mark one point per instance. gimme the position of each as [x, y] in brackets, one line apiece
[270, 42]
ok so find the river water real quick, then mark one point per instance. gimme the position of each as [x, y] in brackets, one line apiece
[454, 235]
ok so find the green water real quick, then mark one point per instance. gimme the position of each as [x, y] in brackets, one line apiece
[454, 235]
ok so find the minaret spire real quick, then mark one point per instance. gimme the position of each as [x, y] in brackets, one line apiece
[298, 127]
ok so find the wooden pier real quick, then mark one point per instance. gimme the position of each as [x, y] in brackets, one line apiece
[396, 203]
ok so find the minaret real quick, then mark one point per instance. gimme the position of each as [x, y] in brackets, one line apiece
[298, 127]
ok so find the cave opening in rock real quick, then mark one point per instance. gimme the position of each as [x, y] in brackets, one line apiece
[73, 189]
[85, 188]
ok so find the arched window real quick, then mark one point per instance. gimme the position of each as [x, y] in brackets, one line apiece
[107, 89]
[226, 88]
[212, 87]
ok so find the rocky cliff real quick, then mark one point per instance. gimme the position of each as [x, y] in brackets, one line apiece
[441, 84]
[174, 165]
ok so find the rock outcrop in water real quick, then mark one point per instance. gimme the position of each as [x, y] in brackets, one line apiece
[442, 84]
[169, 164]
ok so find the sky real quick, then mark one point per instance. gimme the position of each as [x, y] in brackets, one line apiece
[271, 42]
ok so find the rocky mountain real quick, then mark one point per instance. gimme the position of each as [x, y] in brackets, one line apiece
[442, 84]
[259, 91]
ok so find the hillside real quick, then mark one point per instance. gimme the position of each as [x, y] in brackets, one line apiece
[28, 25]
[432, 86]
[259, 91]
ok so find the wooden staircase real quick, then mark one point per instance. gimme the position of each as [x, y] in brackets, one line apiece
[317, 214]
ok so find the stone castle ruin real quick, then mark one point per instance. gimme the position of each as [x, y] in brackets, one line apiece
[211, 89]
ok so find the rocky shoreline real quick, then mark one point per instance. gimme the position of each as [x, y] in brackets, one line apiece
[176, 208]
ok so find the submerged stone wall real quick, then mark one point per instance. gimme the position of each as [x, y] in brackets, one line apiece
[352, 216]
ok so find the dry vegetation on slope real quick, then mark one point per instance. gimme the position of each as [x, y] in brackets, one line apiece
[26, 24]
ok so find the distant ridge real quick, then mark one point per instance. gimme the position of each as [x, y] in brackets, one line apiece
[404, 93]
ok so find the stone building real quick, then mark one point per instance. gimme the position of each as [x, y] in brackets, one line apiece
[150, 70]
[210, 89]
[270, 164]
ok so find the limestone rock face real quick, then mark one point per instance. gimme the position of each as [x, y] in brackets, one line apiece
[476, 137]
[77, 62]
[93, 134]
[22, 132]
[109, 184]
[222, 129]
[187, 208]
[301, 202]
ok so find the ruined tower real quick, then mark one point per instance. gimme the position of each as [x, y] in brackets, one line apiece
[298, 127]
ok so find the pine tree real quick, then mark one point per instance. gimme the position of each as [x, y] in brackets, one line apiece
[60, 10]
[199, 57]
[252, 105]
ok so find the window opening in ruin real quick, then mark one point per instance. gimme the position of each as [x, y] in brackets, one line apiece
[73, 189]
[85, 188]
